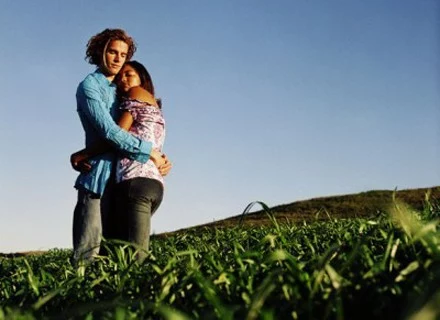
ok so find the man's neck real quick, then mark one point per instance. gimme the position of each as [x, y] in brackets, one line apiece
[110, 78]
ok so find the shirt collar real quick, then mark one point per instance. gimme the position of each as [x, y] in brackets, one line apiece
[102, 78]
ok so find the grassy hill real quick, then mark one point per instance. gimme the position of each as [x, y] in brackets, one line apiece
[325, 269]
[364, 204]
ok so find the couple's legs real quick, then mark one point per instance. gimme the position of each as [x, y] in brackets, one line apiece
[137, 200]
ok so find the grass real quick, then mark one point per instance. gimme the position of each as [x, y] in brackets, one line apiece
[381, 267]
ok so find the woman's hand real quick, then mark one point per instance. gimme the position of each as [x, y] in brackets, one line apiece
[156, 157]
[166, 167]
[161, 161]
[78, 161]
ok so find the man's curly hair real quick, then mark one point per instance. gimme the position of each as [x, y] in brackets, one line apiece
[99, 42]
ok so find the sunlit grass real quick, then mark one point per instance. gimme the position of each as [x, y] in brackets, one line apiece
[386, 267]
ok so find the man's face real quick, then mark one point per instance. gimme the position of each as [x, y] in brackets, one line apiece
[115, 57]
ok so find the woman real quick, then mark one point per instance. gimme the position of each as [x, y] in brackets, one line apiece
[139, 187]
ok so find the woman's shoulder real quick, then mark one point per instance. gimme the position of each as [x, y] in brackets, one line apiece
[140, 94]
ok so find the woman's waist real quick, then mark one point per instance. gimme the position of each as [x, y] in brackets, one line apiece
[128, 169]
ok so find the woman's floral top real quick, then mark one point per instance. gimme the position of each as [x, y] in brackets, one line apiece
[149, 125]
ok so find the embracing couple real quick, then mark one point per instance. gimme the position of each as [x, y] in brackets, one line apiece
[120, 184]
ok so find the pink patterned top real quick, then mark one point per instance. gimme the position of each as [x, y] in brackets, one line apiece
[148, 124]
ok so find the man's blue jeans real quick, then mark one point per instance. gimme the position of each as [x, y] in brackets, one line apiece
[91, 212]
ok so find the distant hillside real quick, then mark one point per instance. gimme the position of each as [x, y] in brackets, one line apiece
[364, 204]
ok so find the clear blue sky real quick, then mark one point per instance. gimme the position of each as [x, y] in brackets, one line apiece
[276, 101]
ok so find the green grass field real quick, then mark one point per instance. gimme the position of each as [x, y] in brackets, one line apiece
[382, 267]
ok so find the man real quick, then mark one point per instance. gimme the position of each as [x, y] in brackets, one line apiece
[97, 109]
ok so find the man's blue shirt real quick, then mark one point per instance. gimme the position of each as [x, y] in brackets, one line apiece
[97, 109]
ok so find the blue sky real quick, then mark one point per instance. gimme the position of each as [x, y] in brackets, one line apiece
[275, 101]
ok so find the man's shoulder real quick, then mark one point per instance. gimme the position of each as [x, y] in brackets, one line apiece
[92, 85]
[91, 80]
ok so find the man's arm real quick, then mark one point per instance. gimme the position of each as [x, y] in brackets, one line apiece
[91, 105]
[79, 158]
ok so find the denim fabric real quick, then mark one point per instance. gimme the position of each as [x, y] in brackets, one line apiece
[97, 109]
[136, 201]
[87, 227]
[90, 215]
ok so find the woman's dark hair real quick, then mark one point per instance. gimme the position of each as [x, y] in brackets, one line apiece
[144, 75]
[98, 43]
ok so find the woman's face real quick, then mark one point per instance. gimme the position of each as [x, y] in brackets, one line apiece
[129, 78]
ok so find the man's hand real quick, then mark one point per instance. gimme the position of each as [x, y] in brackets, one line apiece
[166, 167]
[78, 161]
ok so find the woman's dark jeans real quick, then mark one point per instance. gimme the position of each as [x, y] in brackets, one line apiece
[136, 201]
